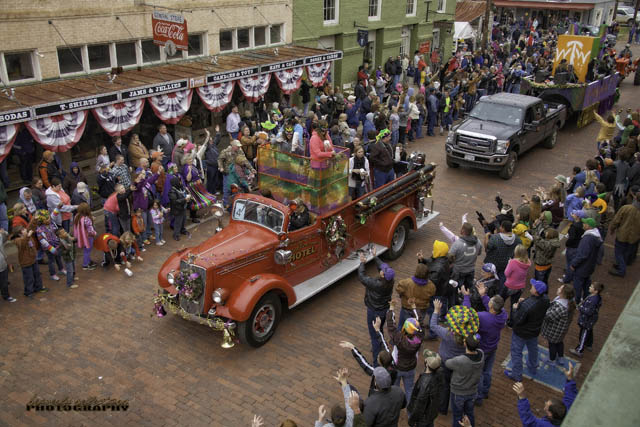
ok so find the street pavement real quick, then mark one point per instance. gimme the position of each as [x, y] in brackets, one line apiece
[102, 339]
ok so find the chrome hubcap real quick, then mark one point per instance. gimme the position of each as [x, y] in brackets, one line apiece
[263, 320]
[398, 238]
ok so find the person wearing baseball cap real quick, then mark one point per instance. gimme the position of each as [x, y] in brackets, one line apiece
[586, 257]
[423, 406]
[378, 293]
[526, 320]
[383, 407]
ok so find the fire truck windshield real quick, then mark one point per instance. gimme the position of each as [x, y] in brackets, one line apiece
[257, 213]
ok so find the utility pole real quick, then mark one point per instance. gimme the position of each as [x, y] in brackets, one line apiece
[487, 27]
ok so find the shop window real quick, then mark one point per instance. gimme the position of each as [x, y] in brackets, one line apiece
[330, 11]
[243, 38]
[260, 36]
[126, 54]
[374, 10]
[411, 7]
[275, 34]
[19, 66]
[150, 51]
[196, 45]
[99, 57]
[226, 40]
[70, 60]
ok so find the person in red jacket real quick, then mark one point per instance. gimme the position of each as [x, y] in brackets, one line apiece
[116, 249]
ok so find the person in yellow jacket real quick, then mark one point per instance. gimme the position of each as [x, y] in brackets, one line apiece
[607, 128]
[521, 229]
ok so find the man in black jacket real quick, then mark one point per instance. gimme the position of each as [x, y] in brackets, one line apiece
[423, 406]
[124, 206]
[178, 199]
[376, 298]
[381, 159]
[383, 407]
[214, 176]
[527, 317]
[118, 149]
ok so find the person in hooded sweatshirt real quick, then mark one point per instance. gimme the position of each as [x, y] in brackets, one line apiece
[407, 343]
[500, 248]
[439, 274]
[367, 126]
[466, 373]
[464, 252]
[584, 261]
[492, 321]
[72, 179]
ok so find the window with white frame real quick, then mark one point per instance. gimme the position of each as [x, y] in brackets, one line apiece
[330, 11]
[130, 53]
[411, 7]
[374, 9]
[442, 5]
[246, 38]
[16, 67]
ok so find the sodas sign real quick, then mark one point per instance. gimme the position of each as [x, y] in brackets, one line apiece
[170, 27]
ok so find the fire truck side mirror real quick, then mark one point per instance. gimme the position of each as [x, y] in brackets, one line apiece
[282, 256]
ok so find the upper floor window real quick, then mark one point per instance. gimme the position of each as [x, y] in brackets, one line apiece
[411, 7]
[374, 9]
[330, 11]
[18, 66]
[442, 5]
[247, 38]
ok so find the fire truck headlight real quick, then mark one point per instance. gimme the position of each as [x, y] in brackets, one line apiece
[219, 295]
[170, 278]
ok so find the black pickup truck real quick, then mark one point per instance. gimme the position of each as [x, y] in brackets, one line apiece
[500, 128]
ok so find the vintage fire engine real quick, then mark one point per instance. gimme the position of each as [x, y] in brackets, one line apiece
[239, 280]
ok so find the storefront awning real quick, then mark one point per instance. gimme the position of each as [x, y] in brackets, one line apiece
[560, 5]
[40, 100]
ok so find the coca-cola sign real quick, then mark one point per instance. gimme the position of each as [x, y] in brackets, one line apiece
[170, 27]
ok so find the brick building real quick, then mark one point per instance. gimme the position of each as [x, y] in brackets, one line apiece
[394, 27]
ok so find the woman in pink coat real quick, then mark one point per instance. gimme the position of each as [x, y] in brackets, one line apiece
[320, 146]
[84, 233]
[516, 274]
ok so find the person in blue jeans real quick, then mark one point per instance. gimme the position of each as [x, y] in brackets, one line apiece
[492, 321]
[407, 342]
[527, 317]
[378, 292]
[466, 373]
[31, 277]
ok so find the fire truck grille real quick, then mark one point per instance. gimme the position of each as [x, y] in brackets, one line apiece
[194, 307]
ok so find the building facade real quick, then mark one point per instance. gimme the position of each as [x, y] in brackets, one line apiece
[392, 27]
[47, 39]
[586, 12]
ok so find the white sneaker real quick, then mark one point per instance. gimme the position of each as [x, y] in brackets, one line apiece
[55, 277]
[164, 241]
[560, 280]
[159, 243]
[63, 272]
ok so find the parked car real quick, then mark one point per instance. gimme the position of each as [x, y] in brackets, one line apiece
[624, 15]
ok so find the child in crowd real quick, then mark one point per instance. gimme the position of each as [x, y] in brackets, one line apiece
[84, 232]
[589, 308]
[516, 275]
[102, 162]
[556, 323]
[157, 213]
[68, 254]
[521, 228]
[49, 242]
[27, 258]
[137, 226]
[4, 269]
[545, 244]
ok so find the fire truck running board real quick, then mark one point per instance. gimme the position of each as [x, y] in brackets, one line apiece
[309, 288]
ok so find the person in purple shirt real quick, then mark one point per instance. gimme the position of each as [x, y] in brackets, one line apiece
[555, 409]
[492, 322]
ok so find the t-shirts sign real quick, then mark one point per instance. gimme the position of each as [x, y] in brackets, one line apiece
[170, 27]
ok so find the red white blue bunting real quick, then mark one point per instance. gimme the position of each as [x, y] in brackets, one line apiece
[170, 107]
[59, 133]
[253, 88]
[289, 80]
[118, 119]
[216, 96]
[318, 73]
[7, 137]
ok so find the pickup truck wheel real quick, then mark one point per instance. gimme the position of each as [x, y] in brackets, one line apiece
[550, 142]
[510, 167]
[398, 241]
[636, 78]
[262, 323]
[451, 164]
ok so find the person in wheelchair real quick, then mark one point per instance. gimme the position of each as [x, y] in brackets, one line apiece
[300, 217]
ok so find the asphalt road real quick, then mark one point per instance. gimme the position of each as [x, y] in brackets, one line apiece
[102, 340]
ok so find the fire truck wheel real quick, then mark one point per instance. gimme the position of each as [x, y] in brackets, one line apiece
[399, 240]
[262, 323]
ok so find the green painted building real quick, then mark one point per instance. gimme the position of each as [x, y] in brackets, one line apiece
[393, 27]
